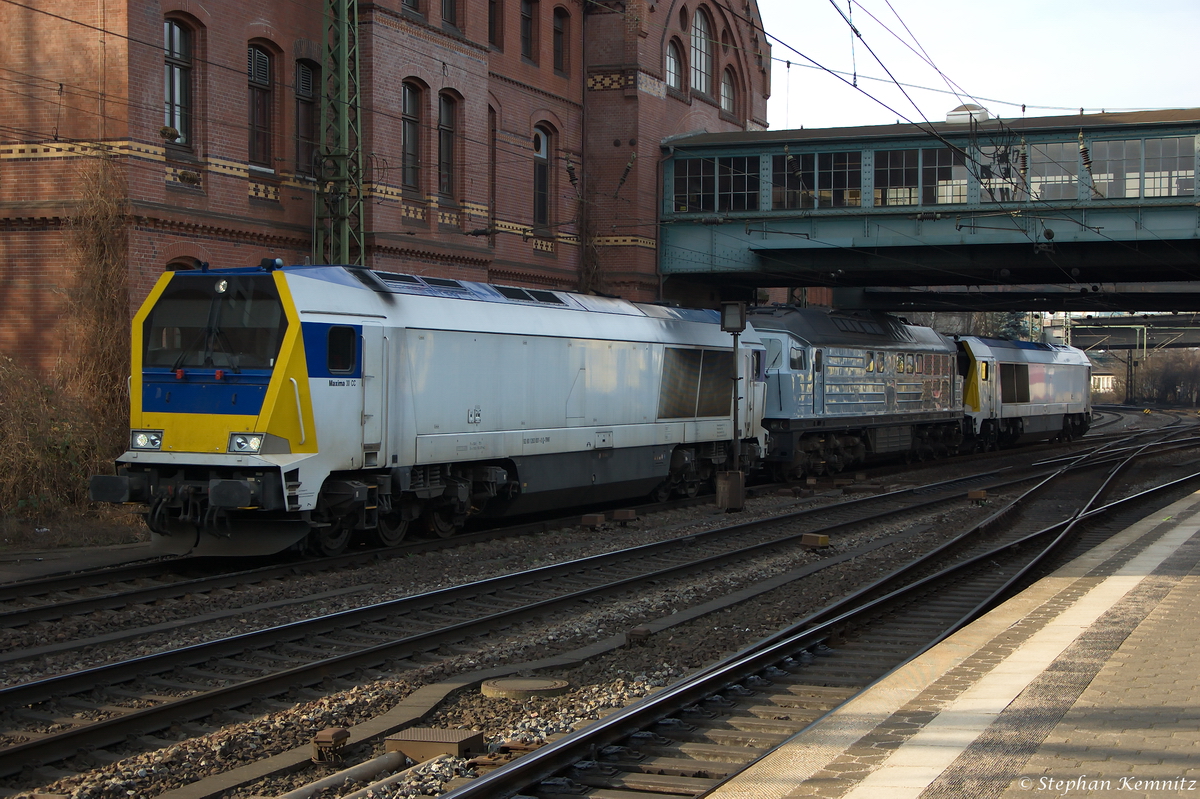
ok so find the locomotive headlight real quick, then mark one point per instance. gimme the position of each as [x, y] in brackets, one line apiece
[245, 442]
[145, 439]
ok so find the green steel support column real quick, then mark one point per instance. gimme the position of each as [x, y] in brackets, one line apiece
[338, 238]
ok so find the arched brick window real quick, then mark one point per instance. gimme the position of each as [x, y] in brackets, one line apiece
[702, 55]
[674, 66]
[258, 72]
[177, 81]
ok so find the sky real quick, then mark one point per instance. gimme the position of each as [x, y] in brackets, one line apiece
[1054, 56]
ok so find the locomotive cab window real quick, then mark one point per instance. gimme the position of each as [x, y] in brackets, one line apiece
[342, 349]
[774, 353]
[797, 360]
[817, 360]
[203, 320]
[983, 371]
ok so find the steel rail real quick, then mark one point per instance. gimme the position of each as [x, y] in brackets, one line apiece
[201, 704]
[101, 733]
[815, 629]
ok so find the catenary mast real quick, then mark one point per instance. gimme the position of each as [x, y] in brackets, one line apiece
[338, 220]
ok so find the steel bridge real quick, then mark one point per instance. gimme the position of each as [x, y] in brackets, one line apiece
[1093, 212]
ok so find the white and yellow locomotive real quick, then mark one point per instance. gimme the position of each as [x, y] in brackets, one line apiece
[276, 406]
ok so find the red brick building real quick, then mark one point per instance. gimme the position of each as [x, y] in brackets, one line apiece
[507, 141]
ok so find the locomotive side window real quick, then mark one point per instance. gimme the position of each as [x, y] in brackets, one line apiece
[797, 359]
[879, 362]
[920, 364]
[909, 367]
[983, 371]
[900, 363]
[870, 362]
[342, 349]
[695, 383]
[1014, 382]
[817, 361]
[716, 383]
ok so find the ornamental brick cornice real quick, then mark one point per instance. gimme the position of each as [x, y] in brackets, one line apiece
[218, 228]
[422, 250]
[533, 89]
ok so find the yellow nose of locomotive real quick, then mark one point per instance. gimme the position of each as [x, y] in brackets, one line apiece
[219, 368]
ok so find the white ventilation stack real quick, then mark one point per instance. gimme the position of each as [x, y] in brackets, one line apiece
[968, 112]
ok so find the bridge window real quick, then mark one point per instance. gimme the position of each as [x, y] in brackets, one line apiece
[1000, 175]
[1170, 167]
[839, 180]
[943, 176]
[793, 180]
[737, 189]
[1053, 170]
[1117, 168]
[710, 184]
[896, 177]
[695, 185]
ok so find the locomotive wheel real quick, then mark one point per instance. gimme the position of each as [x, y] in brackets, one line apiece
[691, 489]
[329, 541]
[391, 530]
[438, 523]
[662, 493]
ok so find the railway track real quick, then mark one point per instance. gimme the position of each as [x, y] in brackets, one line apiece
[56, 717]
[145, 583]
[115, 588]
[688, 738]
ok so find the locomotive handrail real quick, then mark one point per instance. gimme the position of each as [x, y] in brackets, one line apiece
[299, 409]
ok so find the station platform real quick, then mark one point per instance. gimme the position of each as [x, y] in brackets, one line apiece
[1085, 684]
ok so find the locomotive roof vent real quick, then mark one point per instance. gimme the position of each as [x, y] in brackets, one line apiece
[442, 282]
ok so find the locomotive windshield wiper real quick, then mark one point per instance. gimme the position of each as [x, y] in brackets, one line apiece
[219, 335]
[213, 338]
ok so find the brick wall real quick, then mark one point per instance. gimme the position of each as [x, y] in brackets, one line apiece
[201, 201]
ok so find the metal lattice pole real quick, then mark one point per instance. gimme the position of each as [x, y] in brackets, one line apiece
[338, 237]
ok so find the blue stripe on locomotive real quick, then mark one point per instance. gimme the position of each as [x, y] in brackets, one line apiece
[237, 393]
[316, 349]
